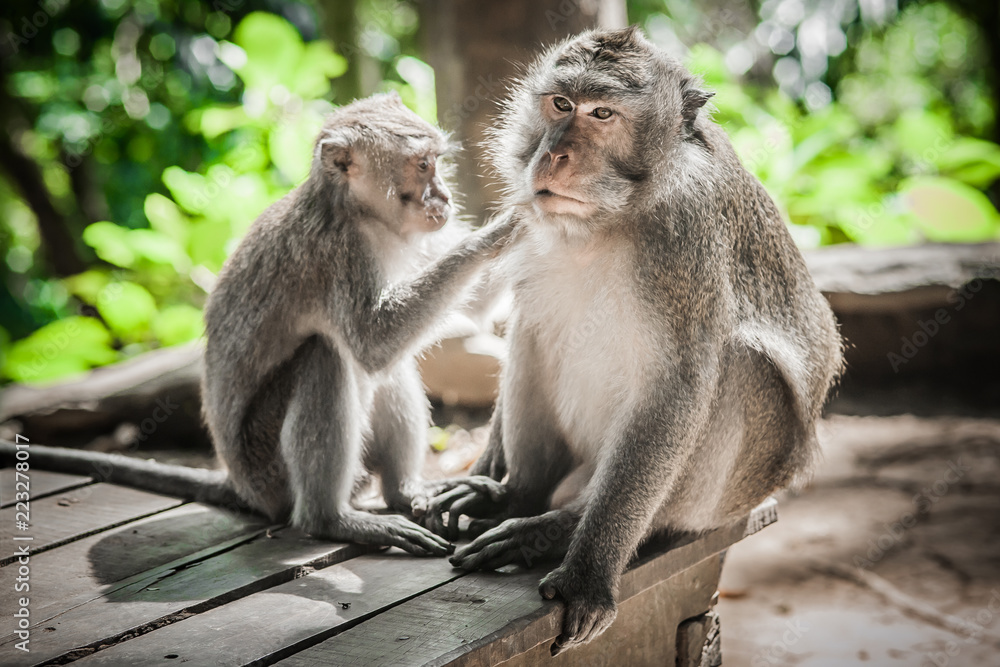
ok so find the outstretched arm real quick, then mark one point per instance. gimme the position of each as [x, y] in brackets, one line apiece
[382, 331]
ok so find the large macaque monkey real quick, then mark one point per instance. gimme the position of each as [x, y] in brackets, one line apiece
[669, 353]
[313, 327]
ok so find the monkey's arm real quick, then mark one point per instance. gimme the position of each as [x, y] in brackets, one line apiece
[382, 331]
[629, 486]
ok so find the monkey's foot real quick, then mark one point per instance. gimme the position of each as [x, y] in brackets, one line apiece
[524, 541]
[479, 497]
[389, 530]
[590, 607]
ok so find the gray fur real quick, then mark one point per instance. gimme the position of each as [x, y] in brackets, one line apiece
[669, 352]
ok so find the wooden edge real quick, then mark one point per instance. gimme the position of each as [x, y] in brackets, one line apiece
[53, 483]
[762, 516]
[545, 623]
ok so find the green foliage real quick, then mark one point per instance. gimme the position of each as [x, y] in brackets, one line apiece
[163, 244]
[189, 120]
[904, 175]
[61, 348]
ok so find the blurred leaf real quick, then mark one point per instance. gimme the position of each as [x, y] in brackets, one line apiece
[88, 285]
[273, 49]
[165, 217]
[208, 243]
[922, 134]
[187, 189]
[71, 345]
[707, 62]
[109, 242]
[127, 308]
[879, 229]
[317, 65]
[178, 324]
[946, 210]
[214, 121]
[420, 77]
[973, 161]
[158, 248]
[291, 147]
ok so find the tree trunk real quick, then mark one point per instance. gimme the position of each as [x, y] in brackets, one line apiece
[475, 48]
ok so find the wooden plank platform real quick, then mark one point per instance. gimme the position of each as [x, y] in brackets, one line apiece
[122, 577]
[42, 483]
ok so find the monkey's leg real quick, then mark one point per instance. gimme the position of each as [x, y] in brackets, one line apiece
[533, 449]
[400, 417]
[481, 496]
[321, 441]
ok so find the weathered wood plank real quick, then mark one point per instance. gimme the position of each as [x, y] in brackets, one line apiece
[500, 615]
[644, 633]
[82, 570]
[42, 483]
[70, 516]
[168, 595]
[282, 620]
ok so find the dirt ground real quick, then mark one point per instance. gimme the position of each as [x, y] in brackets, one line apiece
[890, 556]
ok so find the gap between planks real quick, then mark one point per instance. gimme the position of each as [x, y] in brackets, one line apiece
[43, 483]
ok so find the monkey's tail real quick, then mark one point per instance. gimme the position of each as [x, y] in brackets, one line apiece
[197, 484]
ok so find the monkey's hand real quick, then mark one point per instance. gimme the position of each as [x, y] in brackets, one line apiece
[590, 605]
[525, 541]
[389, 530]
[475, 496]
[499, 233]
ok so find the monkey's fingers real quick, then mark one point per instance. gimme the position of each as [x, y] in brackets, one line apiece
[472, 505]
[588, 614]
[422, 543]
[400, 532]
[582, 623]
[479, 526]
[489, 557]
[433, 515]
[487, 486]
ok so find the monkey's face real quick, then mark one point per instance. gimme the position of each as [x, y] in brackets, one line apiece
[573, 166]
[403, 191]
[423, 195]
[596, 128]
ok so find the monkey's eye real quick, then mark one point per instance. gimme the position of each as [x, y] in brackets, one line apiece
[423, 164]
[603, 113]
[562, 104]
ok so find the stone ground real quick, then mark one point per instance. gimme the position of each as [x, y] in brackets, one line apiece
[890, 556]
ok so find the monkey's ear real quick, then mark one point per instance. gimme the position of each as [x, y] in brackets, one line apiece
[692, 100]
[335, 154]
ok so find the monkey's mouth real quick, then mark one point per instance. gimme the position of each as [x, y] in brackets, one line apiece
[437, 215]
[555, 202]
[545, 192]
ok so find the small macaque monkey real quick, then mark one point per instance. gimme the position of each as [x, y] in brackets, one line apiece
[310, 371]
[669, 353]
